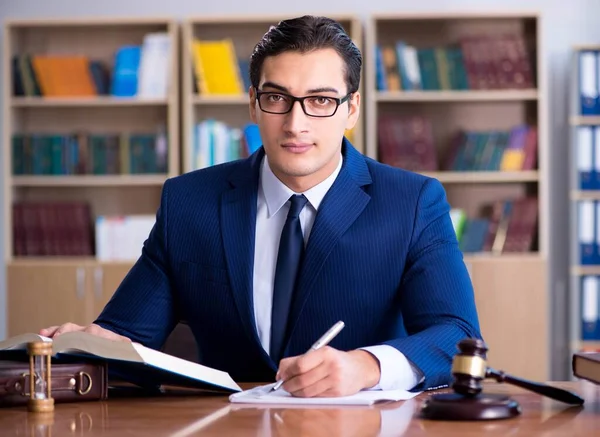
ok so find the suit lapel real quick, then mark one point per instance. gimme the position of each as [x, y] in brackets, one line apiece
[238, 225]
[340, 208]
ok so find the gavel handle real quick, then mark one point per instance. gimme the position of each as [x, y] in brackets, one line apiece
[543, 389]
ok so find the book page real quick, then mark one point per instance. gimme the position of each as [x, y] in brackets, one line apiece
[74, 342]
[264, 395]
[20, 341]
[186, 368]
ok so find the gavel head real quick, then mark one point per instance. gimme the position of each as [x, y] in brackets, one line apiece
[469, 367]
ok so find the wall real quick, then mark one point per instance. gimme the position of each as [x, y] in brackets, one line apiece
[562, 27]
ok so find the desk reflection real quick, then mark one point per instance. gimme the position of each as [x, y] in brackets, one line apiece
[100, 418]
[391, 419]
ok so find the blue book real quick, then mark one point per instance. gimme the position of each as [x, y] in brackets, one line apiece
[588, 82]
[590, 308]
[586, 239]
[252, 136]
[125, 74]
[585, 157]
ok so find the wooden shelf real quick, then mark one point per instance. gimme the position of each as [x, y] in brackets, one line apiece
[582, 47]
[585, 270]
[103, 22]
[88, 180]
[505, 257]
[451, 177]
[460, 16]
[221, 100]
[585, 344]
[49, 102]
[585, 195]
[456, 96]
[583, 120]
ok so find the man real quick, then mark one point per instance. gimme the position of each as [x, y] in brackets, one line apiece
[263, 255]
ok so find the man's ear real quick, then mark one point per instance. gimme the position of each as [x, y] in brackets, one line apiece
[353, 110]
[252, 104]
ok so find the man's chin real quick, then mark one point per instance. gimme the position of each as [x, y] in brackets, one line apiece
[298, 172]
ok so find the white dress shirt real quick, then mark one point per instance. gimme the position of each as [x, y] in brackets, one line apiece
[272, 209]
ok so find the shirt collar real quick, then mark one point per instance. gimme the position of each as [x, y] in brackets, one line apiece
[277, 193]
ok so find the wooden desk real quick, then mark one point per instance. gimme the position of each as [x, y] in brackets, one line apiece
[214, 416]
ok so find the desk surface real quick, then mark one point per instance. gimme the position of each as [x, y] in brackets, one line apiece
[213, 416]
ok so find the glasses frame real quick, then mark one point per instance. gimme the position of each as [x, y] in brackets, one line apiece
[295, 99]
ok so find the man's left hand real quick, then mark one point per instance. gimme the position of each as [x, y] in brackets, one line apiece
[328, 372]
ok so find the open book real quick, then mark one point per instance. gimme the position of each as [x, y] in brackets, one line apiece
[130, 361]
[264, 395]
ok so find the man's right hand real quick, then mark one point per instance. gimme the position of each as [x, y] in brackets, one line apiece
[55, 331]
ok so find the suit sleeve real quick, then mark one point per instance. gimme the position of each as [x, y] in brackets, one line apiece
[436, 293]
[142, 307]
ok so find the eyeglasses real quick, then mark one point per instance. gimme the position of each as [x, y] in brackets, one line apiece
[313, 106]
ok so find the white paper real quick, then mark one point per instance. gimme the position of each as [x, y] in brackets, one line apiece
[263, 395]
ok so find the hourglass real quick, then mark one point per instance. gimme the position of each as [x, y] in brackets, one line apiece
[40, 390]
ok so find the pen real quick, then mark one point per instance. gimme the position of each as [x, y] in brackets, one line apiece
[323, 341]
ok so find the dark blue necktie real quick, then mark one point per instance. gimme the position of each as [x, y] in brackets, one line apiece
[291, 247]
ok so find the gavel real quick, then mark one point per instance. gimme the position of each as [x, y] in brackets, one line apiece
[469, 369]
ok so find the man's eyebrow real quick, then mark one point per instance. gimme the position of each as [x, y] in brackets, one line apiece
[324, 89]
[276, 86]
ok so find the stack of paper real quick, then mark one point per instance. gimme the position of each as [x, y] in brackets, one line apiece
[264, 395]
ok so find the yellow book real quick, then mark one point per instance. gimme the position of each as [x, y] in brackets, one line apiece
[216, 67]
[512, 160]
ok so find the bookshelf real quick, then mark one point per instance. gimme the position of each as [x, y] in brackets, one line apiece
[584, 197]
[64, 154]
[244, 32]
[447, 78]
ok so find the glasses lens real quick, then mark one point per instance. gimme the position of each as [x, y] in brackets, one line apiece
[320, 106]
[277, 103]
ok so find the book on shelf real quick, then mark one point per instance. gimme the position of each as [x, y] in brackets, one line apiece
[587, 145]
[216, 142]
[588, 88]
[475, 62]
[217, 69]
[52, 229]
[129, 361]
[588, 233]
[589, 310]
[493, 150]
[140, 70]
[81, 153]
[408, 142]
[121, 238]
[505, 226]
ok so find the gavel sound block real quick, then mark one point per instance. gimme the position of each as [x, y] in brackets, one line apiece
[469, 369]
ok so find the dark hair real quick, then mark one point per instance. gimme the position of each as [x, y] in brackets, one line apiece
[304, 34]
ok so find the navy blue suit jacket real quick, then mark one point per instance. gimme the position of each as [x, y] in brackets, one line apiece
[382, 256]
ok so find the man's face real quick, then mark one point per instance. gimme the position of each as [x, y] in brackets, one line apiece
[303, 150]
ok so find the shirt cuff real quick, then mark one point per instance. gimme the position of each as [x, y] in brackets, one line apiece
[397, 373]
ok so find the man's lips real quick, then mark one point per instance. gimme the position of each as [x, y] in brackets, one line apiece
[297, 147]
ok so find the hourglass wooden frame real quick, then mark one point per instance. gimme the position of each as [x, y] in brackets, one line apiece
[40, 354]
